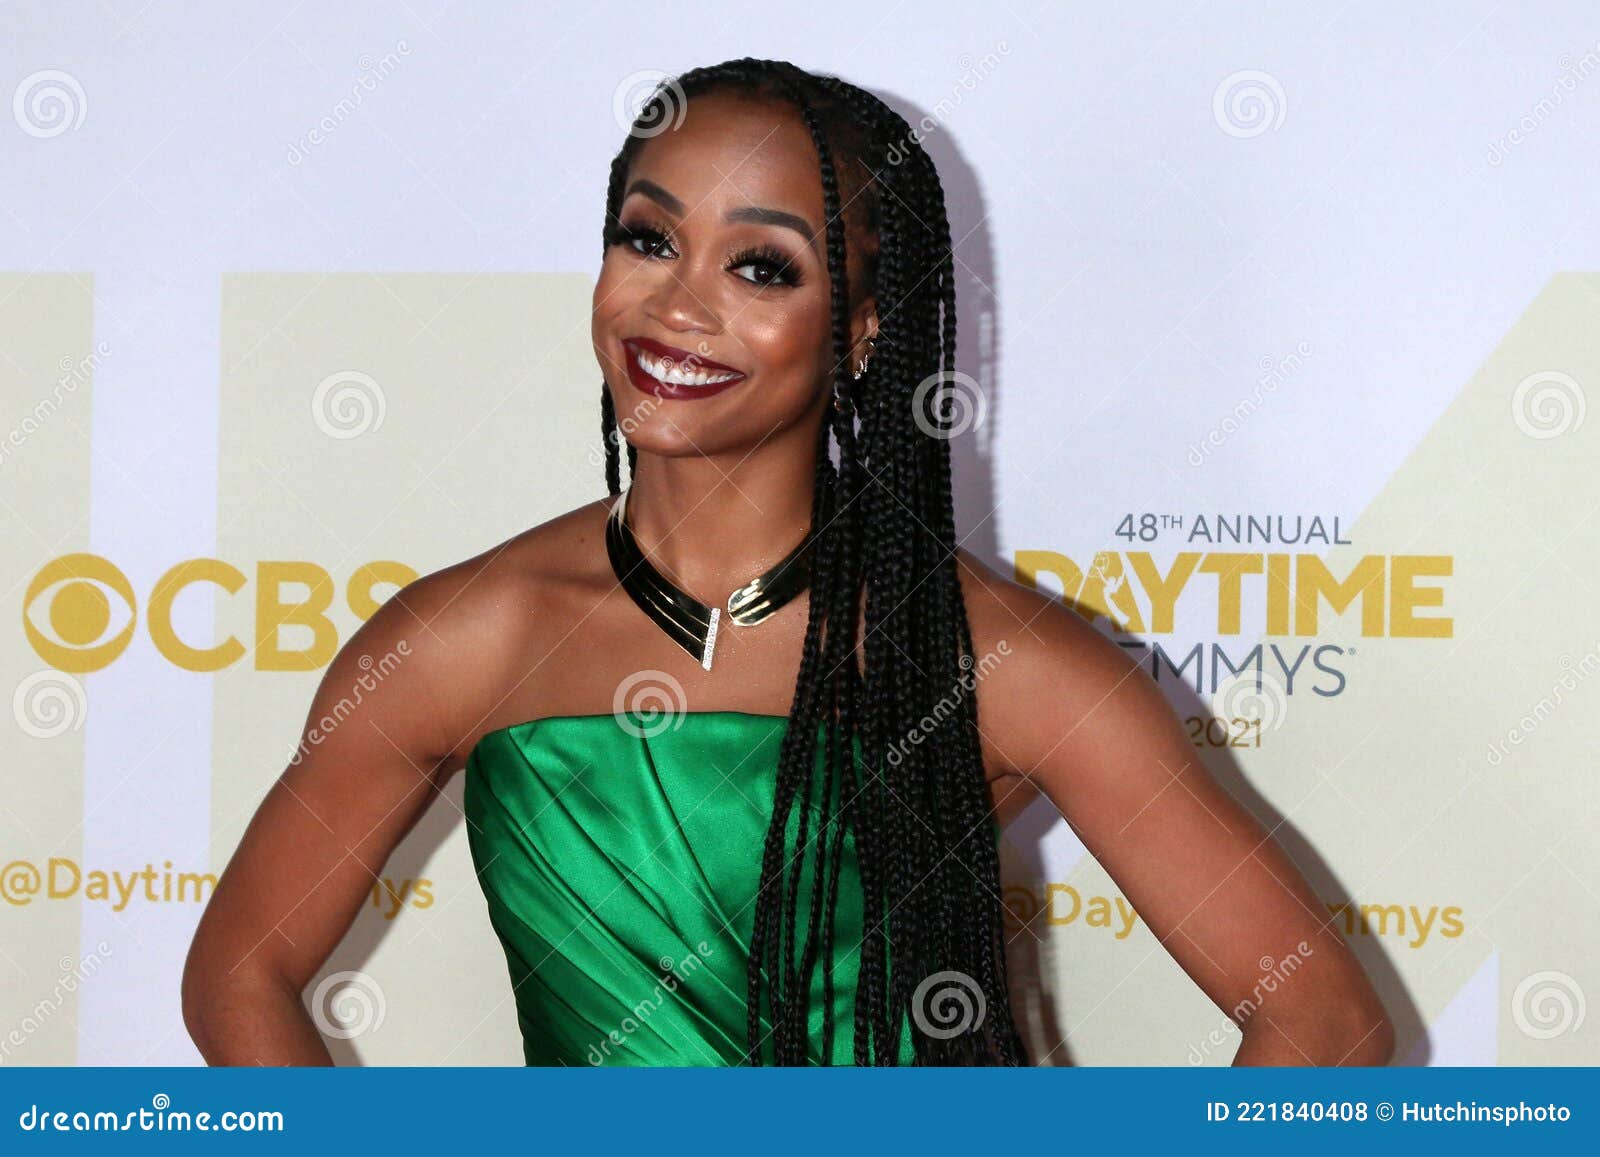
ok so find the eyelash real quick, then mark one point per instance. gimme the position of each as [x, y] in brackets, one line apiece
[785, 273]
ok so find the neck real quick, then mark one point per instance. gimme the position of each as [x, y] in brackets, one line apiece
[709, 528]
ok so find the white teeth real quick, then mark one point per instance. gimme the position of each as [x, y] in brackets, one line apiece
[664, 370]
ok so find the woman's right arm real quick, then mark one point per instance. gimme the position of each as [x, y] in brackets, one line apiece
[391, 708]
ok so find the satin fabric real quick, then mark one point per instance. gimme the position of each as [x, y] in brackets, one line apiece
[620, 860]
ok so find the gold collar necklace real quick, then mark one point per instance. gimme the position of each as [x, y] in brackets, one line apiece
[689, 622]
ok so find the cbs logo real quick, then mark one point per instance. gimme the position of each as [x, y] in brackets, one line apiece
[80, 611]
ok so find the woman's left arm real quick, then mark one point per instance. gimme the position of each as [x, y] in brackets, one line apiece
[1083, 721]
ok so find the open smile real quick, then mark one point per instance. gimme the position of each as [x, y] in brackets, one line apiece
[669, 372]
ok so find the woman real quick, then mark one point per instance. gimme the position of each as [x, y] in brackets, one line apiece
[729, 883]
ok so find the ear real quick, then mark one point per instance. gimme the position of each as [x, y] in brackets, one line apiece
[863, 326]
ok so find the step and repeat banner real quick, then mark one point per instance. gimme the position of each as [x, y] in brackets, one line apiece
[1278, 328]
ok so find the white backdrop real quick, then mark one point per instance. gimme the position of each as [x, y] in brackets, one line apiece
[1331, 262]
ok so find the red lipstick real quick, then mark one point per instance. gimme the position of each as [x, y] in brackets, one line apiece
[668, 359]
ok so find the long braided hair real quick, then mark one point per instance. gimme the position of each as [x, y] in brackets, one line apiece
[925, 845]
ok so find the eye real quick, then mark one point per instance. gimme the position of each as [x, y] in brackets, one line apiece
[631, 235]
[777, 267]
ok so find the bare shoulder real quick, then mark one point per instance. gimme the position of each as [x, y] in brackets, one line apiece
[1043, 669]
[471, 632]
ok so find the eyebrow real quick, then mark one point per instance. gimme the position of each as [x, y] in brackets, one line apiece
[752, 213]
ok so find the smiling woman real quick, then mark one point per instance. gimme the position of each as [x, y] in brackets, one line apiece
[796, 862]
[717, 261]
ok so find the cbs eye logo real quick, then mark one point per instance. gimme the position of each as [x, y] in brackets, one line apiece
[80, 611]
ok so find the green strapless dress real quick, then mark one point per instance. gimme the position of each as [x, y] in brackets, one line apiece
[620, 868]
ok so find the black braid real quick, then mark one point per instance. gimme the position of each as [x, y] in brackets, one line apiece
[919, 824]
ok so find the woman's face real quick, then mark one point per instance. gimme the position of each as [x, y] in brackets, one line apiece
[711, 316]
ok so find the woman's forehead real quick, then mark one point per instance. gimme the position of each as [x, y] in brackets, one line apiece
[731, 149]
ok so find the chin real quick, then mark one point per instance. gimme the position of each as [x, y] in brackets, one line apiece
[675, 439]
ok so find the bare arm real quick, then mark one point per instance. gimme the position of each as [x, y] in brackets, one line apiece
[389, 710]
[1094, 733]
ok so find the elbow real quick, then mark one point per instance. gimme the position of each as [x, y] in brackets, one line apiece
[1324, 1033]
[1347, 1033]
[1352, 1028]
[245, 1012]
[197, 997]
[1366, 1034]
[216, 1000]
[1369, 1039]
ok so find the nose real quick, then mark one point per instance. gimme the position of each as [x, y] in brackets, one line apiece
[679, 302]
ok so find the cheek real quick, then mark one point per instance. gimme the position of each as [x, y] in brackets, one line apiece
[609, 289]
[790, 341]
[612, 301]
